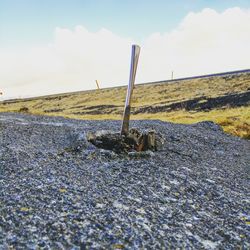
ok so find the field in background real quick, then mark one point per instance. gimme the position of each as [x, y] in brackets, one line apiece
[222, 99]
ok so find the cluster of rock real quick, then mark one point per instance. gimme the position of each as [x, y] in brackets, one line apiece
[134, 141]
[59, 191]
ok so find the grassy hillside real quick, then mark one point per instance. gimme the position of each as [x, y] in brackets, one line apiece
[222, 99]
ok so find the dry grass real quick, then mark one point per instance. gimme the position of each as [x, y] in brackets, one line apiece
[96, 104]
[235, 121]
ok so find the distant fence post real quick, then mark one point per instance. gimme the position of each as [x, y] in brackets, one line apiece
[97, 84]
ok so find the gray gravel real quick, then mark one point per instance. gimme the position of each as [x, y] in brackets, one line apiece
[57, 191]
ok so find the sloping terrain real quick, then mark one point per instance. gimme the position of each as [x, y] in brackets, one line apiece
[57, 191]
[223, 99]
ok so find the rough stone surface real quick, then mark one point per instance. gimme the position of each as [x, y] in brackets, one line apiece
[135, 140]
[58, 191]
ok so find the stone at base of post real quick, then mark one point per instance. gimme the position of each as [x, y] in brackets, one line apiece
[133, 141]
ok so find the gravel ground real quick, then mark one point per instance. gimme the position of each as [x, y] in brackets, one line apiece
[57, 191]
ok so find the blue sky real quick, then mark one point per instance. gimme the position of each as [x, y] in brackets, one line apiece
[52, 46]
[26, 22]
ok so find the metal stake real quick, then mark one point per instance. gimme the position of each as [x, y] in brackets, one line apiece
[126, 115]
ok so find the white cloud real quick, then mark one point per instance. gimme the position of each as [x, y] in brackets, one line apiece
[204, 42]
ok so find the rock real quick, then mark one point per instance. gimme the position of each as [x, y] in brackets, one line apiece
[24, 110]
[193, 193]
[134, 141]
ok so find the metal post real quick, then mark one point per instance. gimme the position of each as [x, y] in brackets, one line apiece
[126, 115]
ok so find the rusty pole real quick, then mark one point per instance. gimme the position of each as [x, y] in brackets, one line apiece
[126, 114]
